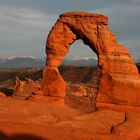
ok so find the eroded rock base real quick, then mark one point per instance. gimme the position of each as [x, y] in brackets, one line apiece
[52, 83]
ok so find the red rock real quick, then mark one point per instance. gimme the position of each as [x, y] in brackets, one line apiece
[2, 94]
[25, 88]
[76, 89]
[52, 83]
[37, 95]
[38, 92]
[119, 81]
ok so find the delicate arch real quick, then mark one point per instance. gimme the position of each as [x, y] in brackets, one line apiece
[116, 65]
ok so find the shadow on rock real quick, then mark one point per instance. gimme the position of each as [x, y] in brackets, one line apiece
[81, 104]
[4, 136]
[7, 91]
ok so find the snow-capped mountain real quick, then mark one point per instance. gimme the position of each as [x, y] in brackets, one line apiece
[84, 58]
[29, 61]
[82, 61]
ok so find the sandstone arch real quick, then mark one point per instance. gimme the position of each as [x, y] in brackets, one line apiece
[119, 80]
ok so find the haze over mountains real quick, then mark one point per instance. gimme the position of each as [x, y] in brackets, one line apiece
[138, 60]
[23, 61]
[29, 61]
[20, 62]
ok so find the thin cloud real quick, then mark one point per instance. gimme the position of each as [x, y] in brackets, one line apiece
[25, 16]
[23, 30]
[26, 24]
[124, 22]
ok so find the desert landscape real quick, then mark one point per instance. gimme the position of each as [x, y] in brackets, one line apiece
[63, 102]
[52, 118]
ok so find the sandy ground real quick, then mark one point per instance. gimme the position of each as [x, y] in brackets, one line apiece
[69, 119]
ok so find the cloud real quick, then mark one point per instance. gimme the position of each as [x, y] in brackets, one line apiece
[60, 6]
[26, 24]
[136, 2]
[23, 29]
[124, 22]
[25, 18]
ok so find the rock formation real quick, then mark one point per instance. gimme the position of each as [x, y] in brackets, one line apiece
[119, 81]
[52, 83]
[26, 88]
[2, 94]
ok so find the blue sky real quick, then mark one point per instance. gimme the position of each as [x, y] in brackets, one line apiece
[25, 24]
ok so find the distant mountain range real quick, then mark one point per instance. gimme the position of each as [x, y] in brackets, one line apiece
[23, 62]
[81, 62]
[138, 60]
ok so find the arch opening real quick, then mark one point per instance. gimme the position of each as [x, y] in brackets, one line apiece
[81, 36]
[80, 54]
[81, 74]
[117, 68]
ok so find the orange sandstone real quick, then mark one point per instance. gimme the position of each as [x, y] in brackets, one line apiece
[25, 88]
[52, 83]
[2, 94]
[119, 81]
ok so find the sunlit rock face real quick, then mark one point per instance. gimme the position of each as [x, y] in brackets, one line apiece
[119, 81]
[52, 83]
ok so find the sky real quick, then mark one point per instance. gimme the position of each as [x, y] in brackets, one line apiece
[25, 24]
